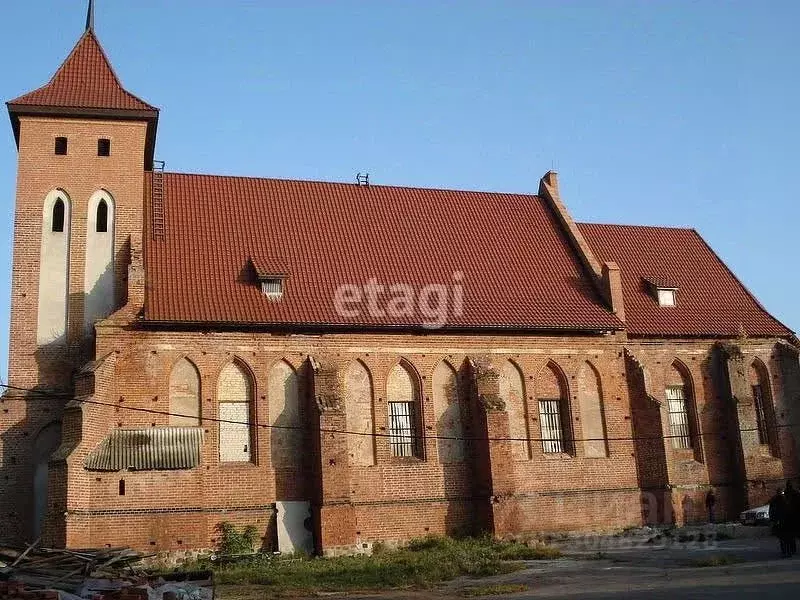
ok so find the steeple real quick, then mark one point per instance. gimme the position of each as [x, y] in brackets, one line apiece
[86, 86]
[90, 16]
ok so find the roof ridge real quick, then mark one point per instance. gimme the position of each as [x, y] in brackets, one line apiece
[110, 66]
[351, 184]
[89, 45]
[633, 225]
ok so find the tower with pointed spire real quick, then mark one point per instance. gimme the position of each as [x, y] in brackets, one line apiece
[84, 144]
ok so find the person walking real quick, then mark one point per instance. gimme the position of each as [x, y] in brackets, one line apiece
[778, 515]
[711, 500]
[793, 516]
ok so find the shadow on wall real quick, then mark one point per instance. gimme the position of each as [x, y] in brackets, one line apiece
[26, 449]
[289, 436]
[651, 459]
[457, 420]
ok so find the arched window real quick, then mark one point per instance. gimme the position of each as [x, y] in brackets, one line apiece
[447, 408]
[402, 394]
[679, 408]
[47, 441]
[51, 327]
[551, 392]
[285, 417]
[764, 409]
[590, 395]
[101, 222]
[58, 216]
[358, 414]
[235, 397]
[512, 391]
[184, 394]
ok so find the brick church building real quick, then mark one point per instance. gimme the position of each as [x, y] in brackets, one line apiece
[339, 363]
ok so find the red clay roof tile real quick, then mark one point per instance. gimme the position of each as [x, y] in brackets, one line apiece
[84, 80]
[711, 301]
[516, 268]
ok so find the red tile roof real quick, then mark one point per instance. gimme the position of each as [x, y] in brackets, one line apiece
[517, 268]
[711, 301]
[84, 80]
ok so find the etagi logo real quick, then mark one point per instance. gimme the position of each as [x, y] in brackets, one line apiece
[431, 305]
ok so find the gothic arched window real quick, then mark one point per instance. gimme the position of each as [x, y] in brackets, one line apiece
[58, 216]
[102, 217]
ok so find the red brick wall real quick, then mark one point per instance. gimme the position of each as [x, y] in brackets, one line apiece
[400, 498]
[388, 497]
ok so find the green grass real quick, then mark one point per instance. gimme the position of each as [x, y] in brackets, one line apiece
[495, 590]
[423, 563]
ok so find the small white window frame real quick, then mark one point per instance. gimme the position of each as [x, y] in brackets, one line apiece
[667, 296]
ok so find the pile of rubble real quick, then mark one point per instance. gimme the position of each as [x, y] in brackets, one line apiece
[37, 573]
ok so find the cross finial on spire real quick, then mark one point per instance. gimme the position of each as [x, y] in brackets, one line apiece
[90, 16]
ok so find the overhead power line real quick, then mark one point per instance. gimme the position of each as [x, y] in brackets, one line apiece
[256, 424]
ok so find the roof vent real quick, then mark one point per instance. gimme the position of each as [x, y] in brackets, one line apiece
[362, 179]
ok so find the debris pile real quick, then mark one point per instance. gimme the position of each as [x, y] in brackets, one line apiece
[67, 570]
[37, 573]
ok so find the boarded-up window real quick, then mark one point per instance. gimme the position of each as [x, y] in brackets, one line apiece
[512, 391]
[592, 418]
[235, 396]
[447, 408]
[184, 394]
[553, 410]
[404, 416]
[285, 417]
[358, 411]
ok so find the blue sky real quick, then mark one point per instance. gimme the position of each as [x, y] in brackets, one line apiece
[665, 113]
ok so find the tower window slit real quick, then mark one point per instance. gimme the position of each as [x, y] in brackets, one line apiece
[58, 216]
[101, 225]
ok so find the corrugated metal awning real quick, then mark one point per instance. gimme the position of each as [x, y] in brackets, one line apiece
[151, 449]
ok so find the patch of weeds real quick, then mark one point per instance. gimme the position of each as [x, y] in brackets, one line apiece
[719, 560]
[517, 551]
[423, 563]
[495, 590]
[234, 541]
[722, 535]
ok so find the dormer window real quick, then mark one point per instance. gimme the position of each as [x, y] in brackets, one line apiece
[664, 292]
[272, 287]
[270, 273]
[666, 297]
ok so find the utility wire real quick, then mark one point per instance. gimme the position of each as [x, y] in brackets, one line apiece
[367, 434]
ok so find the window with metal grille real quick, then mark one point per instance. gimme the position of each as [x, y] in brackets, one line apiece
[61, 146]
[761, 417]
[272, 288]
[552, 426]
[679, 429]
[402, 436]
[103, 147]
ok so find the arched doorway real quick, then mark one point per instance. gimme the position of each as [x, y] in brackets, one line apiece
[47, 441]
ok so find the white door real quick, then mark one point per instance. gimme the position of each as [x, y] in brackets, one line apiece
[294, 527]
